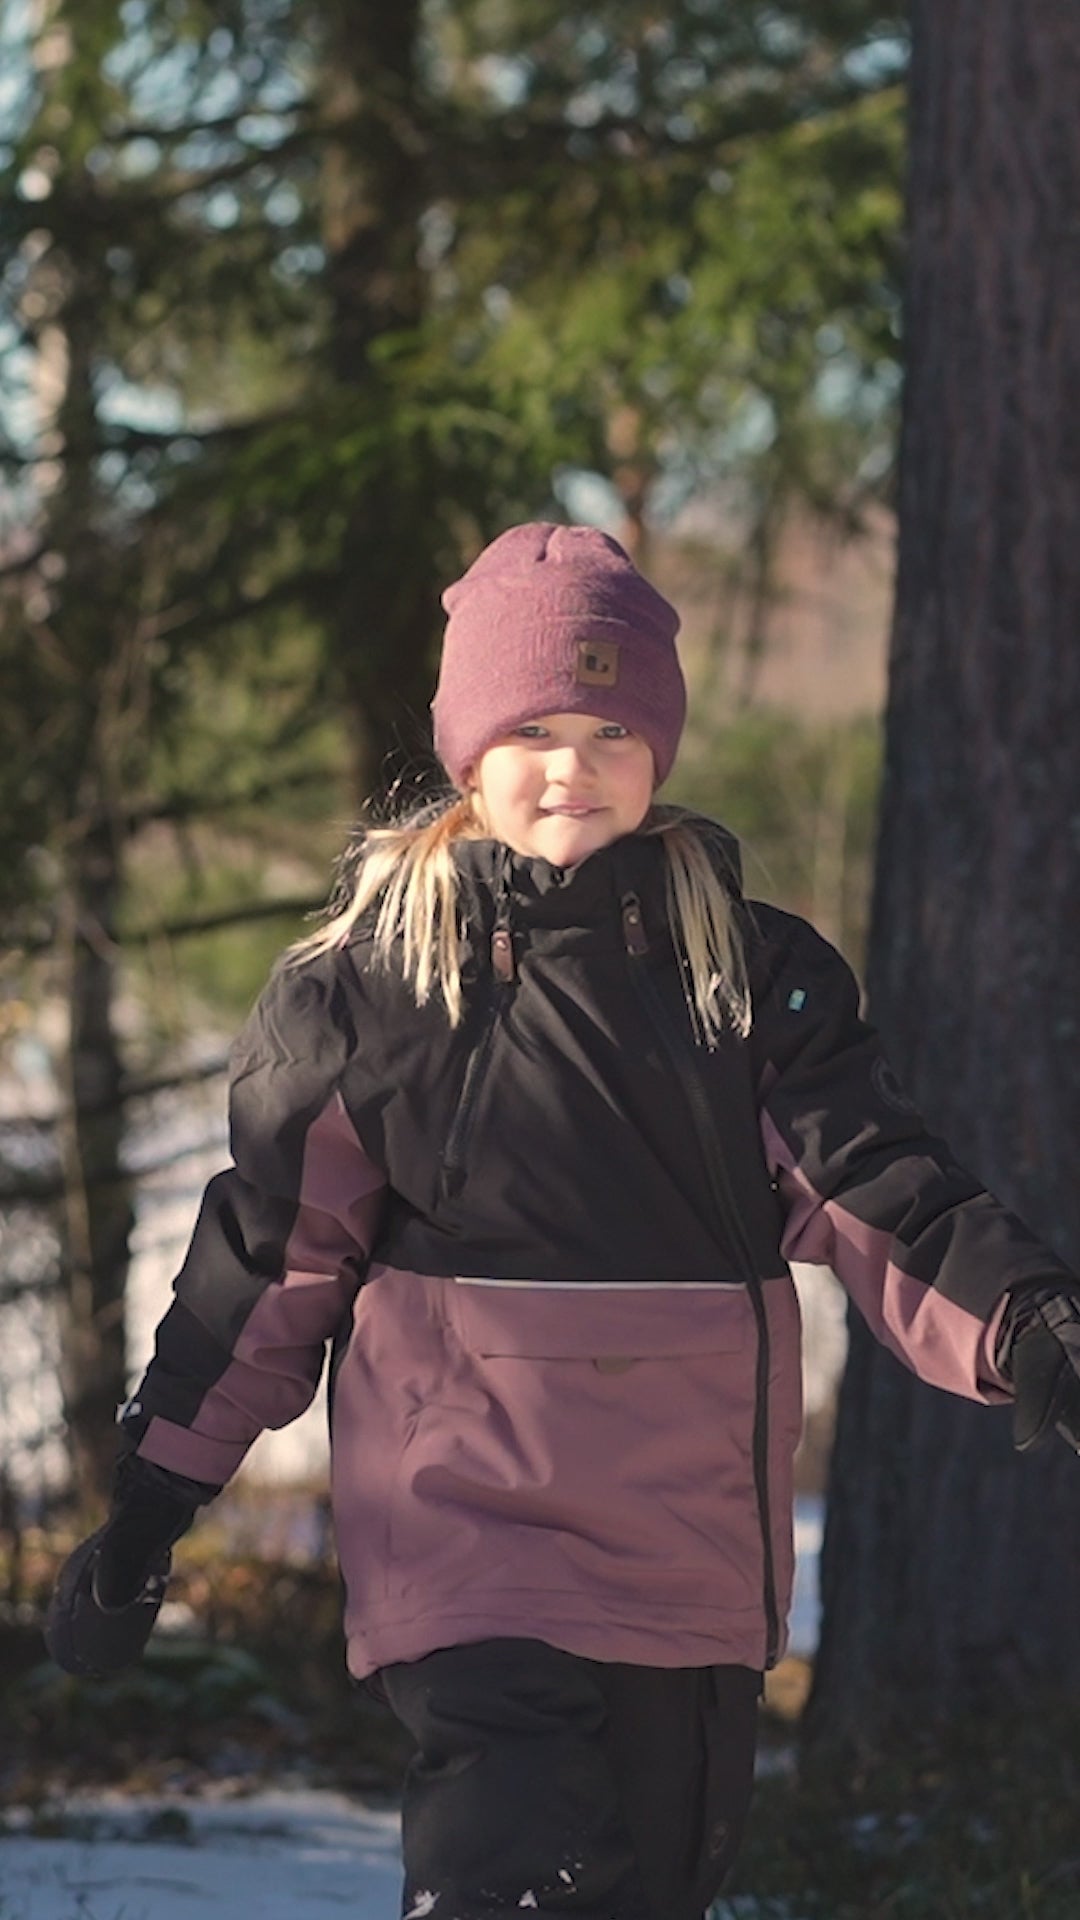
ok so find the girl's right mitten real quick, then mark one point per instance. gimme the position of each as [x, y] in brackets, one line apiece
[110, 1589]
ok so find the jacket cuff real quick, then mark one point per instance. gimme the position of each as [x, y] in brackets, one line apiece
[1018, 1309]
[191, 1455]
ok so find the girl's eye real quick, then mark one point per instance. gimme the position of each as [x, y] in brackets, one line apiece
[532, 730]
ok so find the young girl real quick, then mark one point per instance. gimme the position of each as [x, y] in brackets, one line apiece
[530, 1131]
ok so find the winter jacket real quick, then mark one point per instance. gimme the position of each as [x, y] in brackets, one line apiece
[550, 1248]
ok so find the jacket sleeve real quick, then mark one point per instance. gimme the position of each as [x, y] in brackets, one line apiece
[926, 1253]
[280, 1246]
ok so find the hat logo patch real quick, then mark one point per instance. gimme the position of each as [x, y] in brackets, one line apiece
[597, 663]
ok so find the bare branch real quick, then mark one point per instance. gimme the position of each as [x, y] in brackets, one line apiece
[166, 1082]
[294, 587]
[119, 437]
[298, 907]
[11, 1290]
[513, 147]
[50, 1187]
[190, 806]
[44, 1125]
[23, 565]
[231, 170]
[186, 129]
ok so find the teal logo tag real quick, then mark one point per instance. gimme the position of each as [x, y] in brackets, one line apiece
[797, 999]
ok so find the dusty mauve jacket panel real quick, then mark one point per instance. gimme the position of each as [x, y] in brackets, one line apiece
[570, 1464]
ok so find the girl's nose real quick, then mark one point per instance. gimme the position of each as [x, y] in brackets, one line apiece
[568, 762]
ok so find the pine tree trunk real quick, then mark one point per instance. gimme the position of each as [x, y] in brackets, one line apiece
[374, 188]
[97, 1205]
[94, 637]
[951, 1571]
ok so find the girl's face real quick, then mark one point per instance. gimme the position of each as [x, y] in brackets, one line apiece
[563, 786]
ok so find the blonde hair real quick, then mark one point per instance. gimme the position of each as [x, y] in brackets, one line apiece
[404, 874]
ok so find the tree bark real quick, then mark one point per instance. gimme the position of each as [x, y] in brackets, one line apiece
[98, 1210]
[100, 680]
[373, 190]
[951, 1570]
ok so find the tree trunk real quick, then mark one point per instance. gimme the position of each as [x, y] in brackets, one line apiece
[374, 185]
[97, 1197]
[951, 1569]
[102, 666]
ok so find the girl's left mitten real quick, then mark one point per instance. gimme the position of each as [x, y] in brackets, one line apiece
[1039, 1353]
[109, 1591]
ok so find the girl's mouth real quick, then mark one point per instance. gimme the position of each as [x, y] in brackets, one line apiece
[571, 812]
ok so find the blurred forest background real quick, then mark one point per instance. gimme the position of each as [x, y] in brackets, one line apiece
[301, 302]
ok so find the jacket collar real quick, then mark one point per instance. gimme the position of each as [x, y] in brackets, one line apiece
[530, 892]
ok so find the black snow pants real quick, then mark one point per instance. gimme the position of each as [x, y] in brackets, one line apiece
[565, 1785]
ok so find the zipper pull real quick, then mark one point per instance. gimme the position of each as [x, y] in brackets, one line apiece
[502, 956]
[633, 925]
[502, 940]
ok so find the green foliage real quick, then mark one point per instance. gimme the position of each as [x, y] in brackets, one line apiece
[803, 800]
[176, 1679]
[660, 249]
[687, 328]
[223, 969]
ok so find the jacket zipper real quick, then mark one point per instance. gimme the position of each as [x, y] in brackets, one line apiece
[504, 972]
[637, 946]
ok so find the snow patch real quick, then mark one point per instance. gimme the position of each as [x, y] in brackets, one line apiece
[423, 1904]
[276, 1854]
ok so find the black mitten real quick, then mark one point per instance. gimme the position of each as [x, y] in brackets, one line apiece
[1039, 1353]
[109, 1591]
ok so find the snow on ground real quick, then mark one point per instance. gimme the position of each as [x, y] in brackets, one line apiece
[277, 1855]
[285, 1855]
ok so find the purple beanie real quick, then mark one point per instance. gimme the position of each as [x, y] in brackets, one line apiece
[552, 619]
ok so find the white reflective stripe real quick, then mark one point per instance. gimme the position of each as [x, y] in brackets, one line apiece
[591, 1286]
